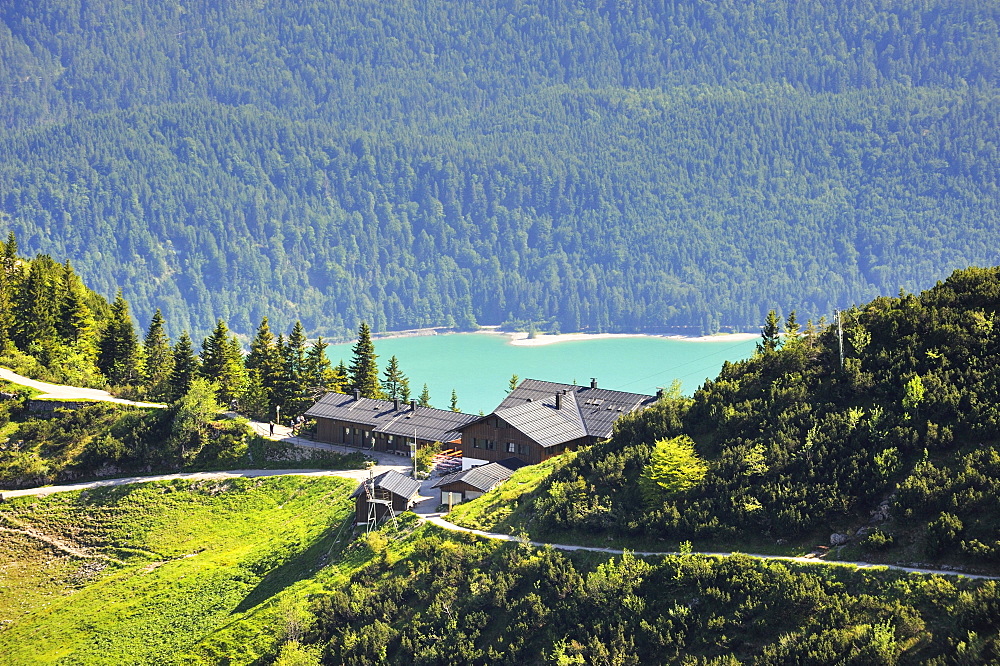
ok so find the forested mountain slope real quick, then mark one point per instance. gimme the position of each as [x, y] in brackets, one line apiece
[896, 451]
[596, 167]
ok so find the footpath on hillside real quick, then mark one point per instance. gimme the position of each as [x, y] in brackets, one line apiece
[63, 392]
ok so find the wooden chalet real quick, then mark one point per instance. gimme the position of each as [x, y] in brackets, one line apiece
[475, 481]
[541, 419]
[391, 489]
[384, 425]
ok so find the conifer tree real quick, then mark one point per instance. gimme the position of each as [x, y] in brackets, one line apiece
[34, 306]
[320, 376]
[395, 383]
[296, 356]
[119, 346]
[512, 383]
[769, 334]
[255, 401]
[8, 264]
[264, 357]
[424, 399]
[341, 378]
[185, 366]
[159, 361]
[75, 322]
[214, 352]
[364, 369]
[453, 405]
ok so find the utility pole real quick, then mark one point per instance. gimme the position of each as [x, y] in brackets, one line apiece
[840, 338]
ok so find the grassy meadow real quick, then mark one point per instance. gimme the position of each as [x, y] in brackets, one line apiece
[166, 572]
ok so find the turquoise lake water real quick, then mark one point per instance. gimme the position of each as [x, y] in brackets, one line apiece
[479, 365]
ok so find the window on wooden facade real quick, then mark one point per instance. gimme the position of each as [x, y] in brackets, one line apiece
[475, 443]
[490, 444]
[522, 449]
[510, 447]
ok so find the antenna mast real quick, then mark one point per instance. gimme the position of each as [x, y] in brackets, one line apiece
[840, 338]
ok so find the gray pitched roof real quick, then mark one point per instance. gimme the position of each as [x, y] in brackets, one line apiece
[394, 482]
[481, 477]
[585, 410]
[436, 425]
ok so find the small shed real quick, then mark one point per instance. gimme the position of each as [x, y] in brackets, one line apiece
[388, 489]
[473, 482]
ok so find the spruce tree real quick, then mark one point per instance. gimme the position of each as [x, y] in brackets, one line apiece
[769, 334]
[364, 369]
[319, 374]
[119, 356]
[159, 360]
[424, 399]
[75, 322]
[35, 306]
[265, 359]
[453, 405]
[296, 357]
[8, 266]
[395, 383]
[341, 378]
[214, 352]
[185, 366]
[512, 383]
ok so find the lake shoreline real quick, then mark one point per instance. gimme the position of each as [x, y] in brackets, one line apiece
[522, 339]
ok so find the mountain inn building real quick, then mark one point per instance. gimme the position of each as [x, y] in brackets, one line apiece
[536, 421]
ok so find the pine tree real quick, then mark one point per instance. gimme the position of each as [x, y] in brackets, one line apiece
[424, 399]
[453, 405]
[364, 369]
[185, 366]
[396, 385]
[119, 356]
[159, 360]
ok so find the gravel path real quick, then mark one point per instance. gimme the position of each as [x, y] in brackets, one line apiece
[62, 392]
[441, 522]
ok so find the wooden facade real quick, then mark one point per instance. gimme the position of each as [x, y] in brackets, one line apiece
[493, 439]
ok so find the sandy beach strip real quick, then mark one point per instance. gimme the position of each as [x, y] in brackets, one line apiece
[521, 339]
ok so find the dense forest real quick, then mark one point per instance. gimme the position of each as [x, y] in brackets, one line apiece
[584, 166]
[888, 449]
[445, 600]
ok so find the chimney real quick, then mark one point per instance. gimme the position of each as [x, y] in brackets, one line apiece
[558, 400]
[593, 382]
[395, 404]
[413, 405]
[357, 395]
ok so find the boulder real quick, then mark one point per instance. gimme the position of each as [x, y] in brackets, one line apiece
[837, 539]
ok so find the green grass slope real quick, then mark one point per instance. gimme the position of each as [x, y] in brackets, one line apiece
[170, 572]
